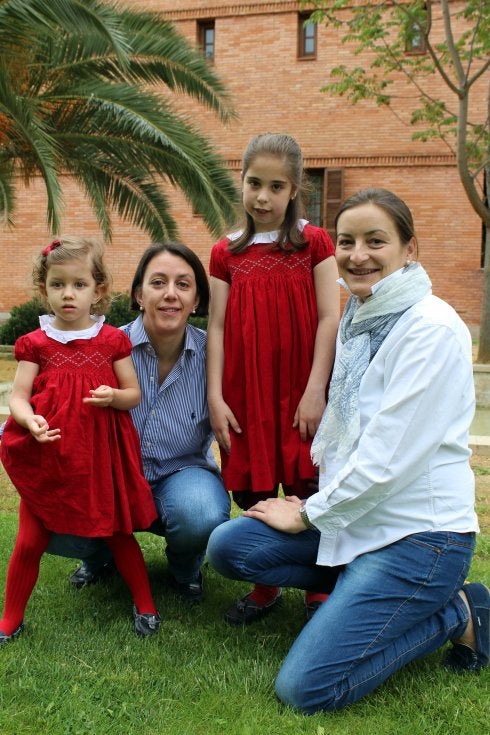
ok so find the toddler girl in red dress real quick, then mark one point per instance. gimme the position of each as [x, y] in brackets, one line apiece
[69, 445]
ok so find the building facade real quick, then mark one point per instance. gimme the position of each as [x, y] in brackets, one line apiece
[275, 68]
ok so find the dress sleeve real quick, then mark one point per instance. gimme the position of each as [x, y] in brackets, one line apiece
[24, 349]
[218, 263]
[321, 244]
[122, 346]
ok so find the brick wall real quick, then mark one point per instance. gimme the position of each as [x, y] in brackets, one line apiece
[273, 90]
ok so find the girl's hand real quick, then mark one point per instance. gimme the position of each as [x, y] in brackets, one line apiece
[102, 396]
[222, 418]
[309, 413]
[278, 513]
[39, 428]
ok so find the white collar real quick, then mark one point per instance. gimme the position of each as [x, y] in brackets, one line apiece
[64, 336]
[263, 238]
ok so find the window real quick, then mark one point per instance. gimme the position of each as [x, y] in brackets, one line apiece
[206, 38]
[306, 37]
[415, 31]
[325, 194]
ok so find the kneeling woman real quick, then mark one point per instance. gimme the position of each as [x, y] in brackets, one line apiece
[393, 522]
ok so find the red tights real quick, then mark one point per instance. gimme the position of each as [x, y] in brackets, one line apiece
[23, 570]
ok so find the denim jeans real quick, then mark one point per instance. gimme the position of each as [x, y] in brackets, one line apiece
[388, 607]
[190, 504]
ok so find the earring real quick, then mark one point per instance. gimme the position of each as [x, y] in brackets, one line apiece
[194, 310]
[142, 308]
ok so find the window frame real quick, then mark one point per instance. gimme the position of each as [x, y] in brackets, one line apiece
[331, 195]
[203, 26]
[306, 33]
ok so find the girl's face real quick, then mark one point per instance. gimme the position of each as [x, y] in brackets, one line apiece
[369, 248]
[267, 190]
[168, 294]
[71, 291]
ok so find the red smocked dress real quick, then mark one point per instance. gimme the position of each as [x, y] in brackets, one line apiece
[90, 482]
[269, 336]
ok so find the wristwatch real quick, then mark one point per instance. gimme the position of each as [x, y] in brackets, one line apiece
[305, 519]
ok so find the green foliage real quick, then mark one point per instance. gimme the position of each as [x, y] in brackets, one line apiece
[86, 90]
[383, 32]
[120, 311]
[199, 321]
[23, 319]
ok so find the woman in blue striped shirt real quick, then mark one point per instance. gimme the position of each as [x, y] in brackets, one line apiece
[172, 420]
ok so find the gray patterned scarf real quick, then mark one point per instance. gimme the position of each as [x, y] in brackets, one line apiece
[363, 328]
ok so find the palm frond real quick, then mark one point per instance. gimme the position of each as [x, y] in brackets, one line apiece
[85, 89]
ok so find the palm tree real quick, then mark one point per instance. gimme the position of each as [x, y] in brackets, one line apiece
[88, 89]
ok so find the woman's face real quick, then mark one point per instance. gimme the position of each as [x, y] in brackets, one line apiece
[168, 294]
[369, 248]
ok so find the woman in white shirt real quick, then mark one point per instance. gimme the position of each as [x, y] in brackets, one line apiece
[393, 523]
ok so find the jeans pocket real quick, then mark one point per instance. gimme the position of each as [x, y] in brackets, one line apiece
[439, 541]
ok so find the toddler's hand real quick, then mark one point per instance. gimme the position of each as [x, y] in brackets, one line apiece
[39, 428]
[101, 396]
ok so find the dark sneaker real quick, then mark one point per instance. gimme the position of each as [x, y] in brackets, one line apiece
[4, 638]
[461, 657]
[86, 575]
[146, 624]
[189, 591]
[245, 610]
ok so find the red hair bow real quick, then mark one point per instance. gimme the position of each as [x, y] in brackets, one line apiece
[51, 246]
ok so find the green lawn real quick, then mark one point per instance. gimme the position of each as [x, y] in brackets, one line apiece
[79, 669]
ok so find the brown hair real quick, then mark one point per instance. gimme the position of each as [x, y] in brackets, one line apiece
[69, 248]
[181, 251]
[392, 205]
[287, 149]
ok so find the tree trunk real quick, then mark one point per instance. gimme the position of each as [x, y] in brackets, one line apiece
[484, 342]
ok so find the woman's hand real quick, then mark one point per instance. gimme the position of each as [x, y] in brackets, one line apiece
[222, 418]
[279, 513]
[39, 428]
[102, 396]
[309, 413]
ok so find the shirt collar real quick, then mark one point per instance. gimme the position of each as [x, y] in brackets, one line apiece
[138, 335]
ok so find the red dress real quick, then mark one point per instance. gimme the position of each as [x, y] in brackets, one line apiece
[269, 337]
[90, 482]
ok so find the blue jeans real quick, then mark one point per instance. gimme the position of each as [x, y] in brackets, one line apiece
[388, 607]
[190, 504]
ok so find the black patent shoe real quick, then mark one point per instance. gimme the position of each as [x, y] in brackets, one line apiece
[189, 591]
[245, 610]
[461, 657]
[4, 638]
[86, 575]
[146, 624]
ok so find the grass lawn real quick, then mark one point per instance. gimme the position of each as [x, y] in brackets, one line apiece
[79, 669]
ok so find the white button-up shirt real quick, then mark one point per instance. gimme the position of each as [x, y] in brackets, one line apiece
[409, 471]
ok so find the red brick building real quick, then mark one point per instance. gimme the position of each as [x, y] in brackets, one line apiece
[275, 81]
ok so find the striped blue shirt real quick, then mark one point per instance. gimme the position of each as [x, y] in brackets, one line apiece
[172, 419]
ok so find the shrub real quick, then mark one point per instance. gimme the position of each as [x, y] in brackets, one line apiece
[25, 318]
[199, 321]
[120, 311]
